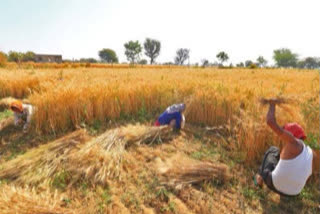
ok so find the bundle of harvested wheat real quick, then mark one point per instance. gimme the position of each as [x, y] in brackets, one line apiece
[40, 164]
[27, 201]
[179, 171]
[5, 102]
[97, 160]
[278, 100]
[101, 158]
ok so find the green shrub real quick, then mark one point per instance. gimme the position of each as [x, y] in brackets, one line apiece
[3, 59]
[253, 66]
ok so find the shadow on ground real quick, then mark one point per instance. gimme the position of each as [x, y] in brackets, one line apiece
[14, 142]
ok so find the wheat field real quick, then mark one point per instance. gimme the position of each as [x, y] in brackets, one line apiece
[127, 166]
[67, 98]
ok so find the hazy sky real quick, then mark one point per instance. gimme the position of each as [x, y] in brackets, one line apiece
[244, 29]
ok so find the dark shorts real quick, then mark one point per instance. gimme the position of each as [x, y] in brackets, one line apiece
[269, 163]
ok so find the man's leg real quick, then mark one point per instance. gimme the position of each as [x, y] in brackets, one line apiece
[270, 161]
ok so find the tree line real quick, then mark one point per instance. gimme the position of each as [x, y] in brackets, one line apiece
[133, 50]
[283, 57]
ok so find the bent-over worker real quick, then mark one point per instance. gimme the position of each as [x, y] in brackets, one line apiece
[172, 116]
[22, 114]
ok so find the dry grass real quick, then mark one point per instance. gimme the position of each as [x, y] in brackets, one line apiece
[28, 201]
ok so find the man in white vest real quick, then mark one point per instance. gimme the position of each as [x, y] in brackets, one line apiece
[287, 171]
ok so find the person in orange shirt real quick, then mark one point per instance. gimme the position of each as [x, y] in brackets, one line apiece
[22, 114]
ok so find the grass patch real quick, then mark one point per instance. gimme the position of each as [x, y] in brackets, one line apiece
[61, 180]
[205, 153]
[170, 207]
[5, 114]
[105, 198]
[163, 194]
[313, 141]
[130, 200]
[251, 194]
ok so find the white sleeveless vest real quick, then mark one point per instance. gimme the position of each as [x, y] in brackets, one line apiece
[290, 176]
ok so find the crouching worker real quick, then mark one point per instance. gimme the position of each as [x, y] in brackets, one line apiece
[172, 116]
[287, 171]
[22, 114]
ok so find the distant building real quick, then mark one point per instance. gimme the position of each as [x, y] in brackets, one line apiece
[48, 58]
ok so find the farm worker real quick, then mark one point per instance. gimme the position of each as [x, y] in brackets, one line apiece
[287, 171]
[172, 116]
[22, 114]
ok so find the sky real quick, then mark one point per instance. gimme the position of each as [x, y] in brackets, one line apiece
[245, 29]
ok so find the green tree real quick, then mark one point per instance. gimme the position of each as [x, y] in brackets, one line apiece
[240, 65]
[28, 56]
[133, 50]
[311, 63]
[248, 63]
[285, 58]
[3, 59]
[88, 60]
[262, 62]
[152, 49]
[222, 56]
[182, 55]
[108, 55]
[204, 63]
[14, 56]
[143, 62]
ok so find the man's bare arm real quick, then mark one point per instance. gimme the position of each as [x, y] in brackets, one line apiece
[287, 137]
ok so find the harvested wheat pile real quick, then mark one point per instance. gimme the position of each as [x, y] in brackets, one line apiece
[102, 157]
[97, 160]
[28, 201]
[40, 164]
[180, 171]
[5, 102]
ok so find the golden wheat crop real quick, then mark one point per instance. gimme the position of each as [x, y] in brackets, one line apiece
[66, 98]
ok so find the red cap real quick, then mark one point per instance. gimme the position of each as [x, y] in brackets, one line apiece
[296, 130]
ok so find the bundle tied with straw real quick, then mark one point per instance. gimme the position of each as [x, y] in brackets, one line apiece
[180, 171]
[102, 157]
[289, 105]
[278, 101]
[40, 164]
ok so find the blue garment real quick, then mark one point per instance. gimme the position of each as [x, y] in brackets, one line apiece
[165, 118]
